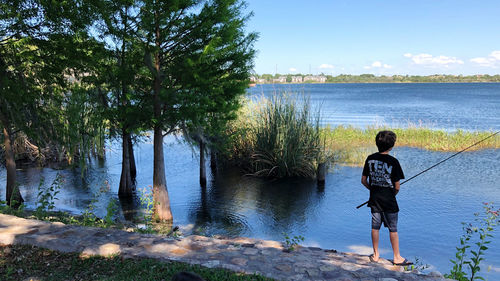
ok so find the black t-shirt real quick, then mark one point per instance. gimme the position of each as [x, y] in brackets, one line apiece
[382, 171]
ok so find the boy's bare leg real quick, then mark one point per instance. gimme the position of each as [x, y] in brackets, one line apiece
[395, 247]
[375, 239]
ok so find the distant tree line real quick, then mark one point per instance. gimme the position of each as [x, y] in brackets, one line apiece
[371, 78]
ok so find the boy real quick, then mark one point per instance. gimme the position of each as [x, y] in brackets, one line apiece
[381, 175]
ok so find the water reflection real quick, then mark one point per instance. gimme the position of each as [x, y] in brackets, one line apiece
[231, 200]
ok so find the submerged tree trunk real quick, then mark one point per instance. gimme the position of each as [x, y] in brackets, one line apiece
[13, 195]
[161, 209]
[126, 186]
[133, 169]
[213, 160]
[203, 170]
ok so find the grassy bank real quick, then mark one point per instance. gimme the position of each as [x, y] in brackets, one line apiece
[19, 262]
[351, 145]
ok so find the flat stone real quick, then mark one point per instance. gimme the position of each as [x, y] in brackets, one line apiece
[239, 261]
[283, 267]
[350, 267]
[312, 272]
[387, 279]
[327, 268]
[211, 264]
[331, 274]
[250, 251]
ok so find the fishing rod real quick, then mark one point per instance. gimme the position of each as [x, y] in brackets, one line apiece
[440, 162]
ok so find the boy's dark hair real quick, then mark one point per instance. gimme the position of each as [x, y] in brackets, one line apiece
[385, 140]
[187, 276]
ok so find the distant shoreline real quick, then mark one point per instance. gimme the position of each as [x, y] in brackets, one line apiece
[384, 82]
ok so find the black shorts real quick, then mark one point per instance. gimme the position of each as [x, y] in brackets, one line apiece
[390, 221]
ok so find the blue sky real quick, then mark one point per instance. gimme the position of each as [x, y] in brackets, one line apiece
[418, 37]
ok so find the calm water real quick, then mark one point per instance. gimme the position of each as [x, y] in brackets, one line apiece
[471, 106]
[432, 205]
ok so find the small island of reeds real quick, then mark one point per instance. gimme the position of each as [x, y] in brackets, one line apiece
[281, 135]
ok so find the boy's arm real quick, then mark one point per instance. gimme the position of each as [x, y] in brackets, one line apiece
[364, 181]
[396, 187]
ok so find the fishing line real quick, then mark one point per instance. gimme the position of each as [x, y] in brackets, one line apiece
[440, 162]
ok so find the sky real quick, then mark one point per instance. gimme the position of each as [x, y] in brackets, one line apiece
[381, 37]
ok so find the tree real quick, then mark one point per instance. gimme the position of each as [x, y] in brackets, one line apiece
[174, 32]
[124, 99]
[35, 55]
[218, 78]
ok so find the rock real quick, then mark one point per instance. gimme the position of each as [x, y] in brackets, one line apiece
[239, 261]
[387, 279]
[312, 272]
[327, 268]
[435, 274]
[211, 264]
[350, 267]
[283, 267]
[250, 251]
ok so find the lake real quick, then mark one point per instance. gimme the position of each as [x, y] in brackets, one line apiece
[432, 205]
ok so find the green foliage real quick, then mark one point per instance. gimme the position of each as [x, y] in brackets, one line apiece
[466, 265]
[46, 197]
[290, 243]
[147, 203]
[8, 210]
[278, 137]
[417, 265]
[111, 210]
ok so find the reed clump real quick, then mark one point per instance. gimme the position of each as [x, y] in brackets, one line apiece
[278, 137]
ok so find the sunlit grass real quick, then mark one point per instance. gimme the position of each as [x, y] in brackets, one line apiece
[352, 145]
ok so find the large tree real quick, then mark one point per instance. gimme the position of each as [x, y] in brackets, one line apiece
[124, 99]
[176, 33]
[36, 41]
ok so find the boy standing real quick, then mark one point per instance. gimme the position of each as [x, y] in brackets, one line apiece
[381, 175]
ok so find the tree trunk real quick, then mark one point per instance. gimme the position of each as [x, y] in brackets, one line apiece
[133, 169]
[161, 202]
[213, 160]
[126, 185]
[203, 170]
[161, 209]
[13, 195]
[321, 173]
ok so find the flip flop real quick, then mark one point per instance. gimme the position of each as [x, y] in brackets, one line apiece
[404, 263]
[372, 259]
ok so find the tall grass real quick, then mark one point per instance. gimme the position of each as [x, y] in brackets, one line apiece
[278, 137]
[352, 145]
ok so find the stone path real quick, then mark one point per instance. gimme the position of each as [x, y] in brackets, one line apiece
[239, 254]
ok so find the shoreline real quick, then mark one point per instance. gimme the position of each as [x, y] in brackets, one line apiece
[242, 255]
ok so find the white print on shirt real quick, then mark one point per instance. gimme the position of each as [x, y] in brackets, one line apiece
[380, 173]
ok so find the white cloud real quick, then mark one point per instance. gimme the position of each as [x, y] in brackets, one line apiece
[326, 66]
[432, 61]
[377, 64]
[493, 60]
[292, 69]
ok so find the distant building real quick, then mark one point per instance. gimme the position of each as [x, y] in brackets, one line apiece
[315, 78]
[281, 79]
[296, 79]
